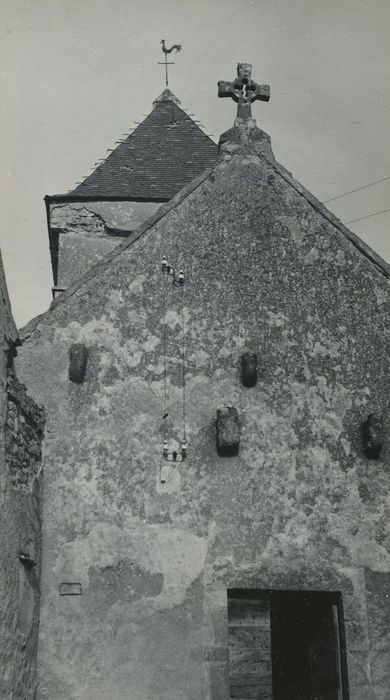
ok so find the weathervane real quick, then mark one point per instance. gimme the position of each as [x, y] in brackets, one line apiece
[166, 63]
[243, 90]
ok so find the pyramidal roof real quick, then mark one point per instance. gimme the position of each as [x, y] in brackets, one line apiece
[162, 155]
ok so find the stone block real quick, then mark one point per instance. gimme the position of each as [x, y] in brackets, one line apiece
[70, 588]
[228, 431]
[373, 436]
[249, 369]
[77, 362]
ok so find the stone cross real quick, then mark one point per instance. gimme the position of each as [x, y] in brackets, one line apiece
[244, 90]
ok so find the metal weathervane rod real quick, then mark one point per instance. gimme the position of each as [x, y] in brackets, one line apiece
[166, 63]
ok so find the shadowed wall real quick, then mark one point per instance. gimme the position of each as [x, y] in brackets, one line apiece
[21, 429]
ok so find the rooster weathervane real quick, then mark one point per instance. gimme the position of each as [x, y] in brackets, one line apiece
[166, 63]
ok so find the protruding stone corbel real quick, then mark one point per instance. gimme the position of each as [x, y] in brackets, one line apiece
[27, 559]
[228, 431]
[249, 369]
[78, 355]
[373, 436]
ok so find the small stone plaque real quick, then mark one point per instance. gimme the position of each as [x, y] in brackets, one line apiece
[67, 588]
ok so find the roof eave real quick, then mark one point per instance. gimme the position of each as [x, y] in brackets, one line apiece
[49, 198]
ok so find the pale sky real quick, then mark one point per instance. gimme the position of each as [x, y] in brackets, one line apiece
[77, 74]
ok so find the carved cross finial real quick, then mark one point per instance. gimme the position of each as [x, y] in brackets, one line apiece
[244, 90]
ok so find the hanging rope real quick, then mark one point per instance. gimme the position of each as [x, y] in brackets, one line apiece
[165, 401]
[178, 281]
[183, 363]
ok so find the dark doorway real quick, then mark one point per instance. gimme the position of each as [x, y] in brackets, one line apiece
[306, 648]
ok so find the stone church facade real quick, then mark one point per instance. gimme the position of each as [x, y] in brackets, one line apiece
[216, 465]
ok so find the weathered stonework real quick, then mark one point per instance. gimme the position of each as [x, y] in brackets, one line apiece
[21, 428]
[23, 435]
[86, 231]
[301, 507]
[109, 216]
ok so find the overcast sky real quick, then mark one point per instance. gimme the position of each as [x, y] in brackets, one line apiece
[77, 74]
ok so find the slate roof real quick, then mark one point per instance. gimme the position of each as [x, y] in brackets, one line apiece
[162, 155]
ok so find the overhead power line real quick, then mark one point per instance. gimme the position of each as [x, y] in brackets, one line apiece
[370, 184]
[367, 217]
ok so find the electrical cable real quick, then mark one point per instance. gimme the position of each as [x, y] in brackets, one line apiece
[367, 217]
[165, 369]
[165, 401]
[183, 362]
[179, 282]
[364, 187]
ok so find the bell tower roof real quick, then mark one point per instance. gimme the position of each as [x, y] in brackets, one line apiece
[162, 155]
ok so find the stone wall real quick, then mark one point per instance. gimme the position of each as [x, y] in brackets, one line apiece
[21, 430]
[23, 436]
[87, 231]
[148, 549]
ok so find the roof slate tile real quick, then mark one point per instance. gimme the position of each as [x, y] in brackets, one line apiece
[162, 155]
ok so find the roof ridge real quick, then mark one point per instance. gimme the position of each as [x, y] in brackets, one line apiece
[368, 252]
[380, 265]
